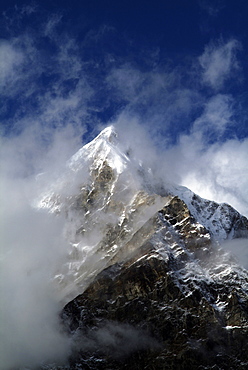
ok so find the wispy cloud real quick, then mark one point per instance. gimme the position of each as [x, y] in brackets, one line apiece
[116, 339]
[43, 81]
[212, 7]
[215, 119]
[202, 156]
[203, 151]
[31, 243]
[219, 62]
[158, 98]
[11, 59]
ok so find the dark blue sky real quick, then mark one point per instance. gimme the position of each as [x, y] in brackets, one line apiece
[149, 37]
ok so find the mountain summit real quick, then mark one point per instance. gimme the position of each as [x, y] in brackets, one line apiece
[146, 284]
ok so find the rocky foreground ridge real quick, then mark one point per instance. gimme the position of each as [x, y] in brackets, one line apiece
[147, 284]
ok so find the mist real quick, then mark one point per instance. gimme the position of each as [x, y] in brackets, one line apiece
[238, 249]
[116, 340]
[33, 247]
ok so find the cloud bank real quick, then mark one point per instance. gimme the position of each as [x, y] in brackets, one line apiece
[32, 250]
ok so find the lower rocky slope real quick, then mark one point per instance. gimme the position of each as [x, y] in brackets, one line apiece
[178, 301]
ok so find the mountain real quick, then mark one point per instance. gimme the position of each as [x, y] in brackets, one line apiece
[147, 283]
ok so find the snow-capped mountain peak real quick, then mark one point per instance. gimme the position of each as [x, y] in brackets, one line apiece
[103, 147]
[111, 210]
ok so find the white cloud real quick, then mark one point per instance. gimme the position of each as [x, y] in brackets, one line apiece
[32, 248]
[238, 249]
[219, 63]
[217, 172]
[10, 59]
[216, 117]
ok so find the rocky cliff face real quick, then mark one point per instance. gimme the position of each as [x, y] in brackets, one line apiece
[180, 301]
[148, 283]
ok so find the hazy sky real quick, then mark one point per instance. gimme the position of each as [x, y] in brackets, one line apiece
[172, 76]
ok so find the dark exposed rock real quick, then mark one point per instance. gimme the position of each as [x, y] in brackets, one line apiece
[174, 304]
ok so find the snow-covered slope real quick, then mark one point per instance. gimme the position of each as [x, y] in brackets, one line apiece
[109, 202]
[222, 220]
[103, 202]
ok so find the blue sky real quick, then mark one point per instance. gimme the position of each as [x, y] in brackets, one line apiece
[175, 69]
